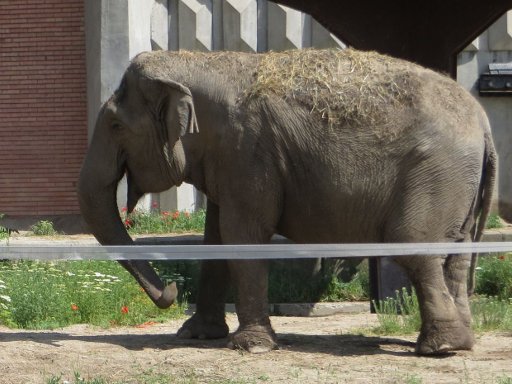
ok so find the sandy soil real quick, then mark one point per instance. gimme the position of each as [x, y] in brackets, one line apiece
[313, 350]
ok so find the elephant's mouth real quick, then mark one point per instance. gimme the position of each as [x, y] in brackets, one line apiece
[134, 192]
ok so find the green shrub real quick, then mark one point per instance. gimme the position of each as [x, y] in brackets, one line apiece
[286, 282]
[494, 222]
[293, 281]
[43, 228]
[4, 232]
[357, 289]
[490, 313]
[494, 276]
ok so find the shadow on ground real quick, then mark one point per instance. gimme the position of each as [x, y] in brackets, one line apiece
[337, 345]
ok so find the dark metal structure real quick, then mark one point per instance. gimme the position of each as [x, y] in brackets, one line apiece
[428, 32]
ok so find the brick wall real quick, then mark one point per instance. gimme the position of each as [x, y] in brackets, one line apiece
[43, 127]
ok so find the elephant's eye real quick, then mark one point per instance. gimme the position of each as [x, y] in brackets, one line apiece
[116, 126]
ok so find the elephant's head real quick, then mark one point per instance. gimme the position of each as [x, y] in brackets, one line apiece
[137, 133]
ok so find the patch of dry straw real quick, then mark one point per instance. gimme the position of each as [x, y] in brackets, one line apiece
[339, 85]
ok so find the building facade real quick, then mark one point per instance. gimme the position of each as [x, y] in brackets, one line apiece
[61, 59]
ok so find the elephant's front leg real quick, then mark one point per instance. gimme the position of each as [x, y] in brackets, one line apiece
[255, 334]
[209, 320]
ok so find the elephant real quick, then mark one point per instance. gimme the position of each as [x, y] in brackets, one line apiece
[320, 146]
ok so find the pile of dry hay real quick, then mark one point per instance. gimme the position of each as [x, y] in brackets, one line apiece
[339, 85]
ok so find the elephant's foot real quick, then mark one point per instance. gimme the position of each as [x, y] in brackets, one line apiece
[199, 327]
[254, 338]
[443, 337]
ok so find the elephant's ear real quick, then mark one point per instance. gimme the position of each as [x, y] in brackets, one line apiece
[180, 109]
[175, 106]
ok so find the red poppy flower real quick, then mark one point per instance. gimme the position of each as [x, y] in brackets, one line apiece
[165, 213]
[175, 215]
[501, 257]
[124, 209]
[124, 309]
[74, 307]
[128, 223]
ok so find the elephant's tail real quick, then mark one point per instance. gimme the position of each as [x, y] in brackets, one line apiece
[484, 201]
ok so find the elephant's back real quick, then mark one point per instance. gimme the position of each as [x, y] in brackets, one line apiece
[337, 85]
[230, 69]
[358, 90]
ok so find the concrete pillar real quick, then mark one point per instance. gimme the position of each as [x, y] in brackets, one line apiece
[107, 51]
[500, 33]
[240, 22]
[159, 25]
[116, 31]
[195, 24]
[287, 28]
[322, 38]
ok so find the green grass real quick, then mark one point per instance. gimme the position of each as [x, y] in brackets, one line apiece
[494, 222]
[76, 380]
[494, 276]
[43, 295]
[356, 289]
[153, 377]
[504, 380]
[399, 315]
[155, 222]
[491, 314]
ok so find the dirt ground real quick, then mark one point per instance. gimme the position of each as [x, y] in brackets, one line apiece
[312, 350]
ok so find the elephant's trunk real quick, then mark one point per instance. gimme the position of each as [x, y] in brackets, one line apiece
[97, 197]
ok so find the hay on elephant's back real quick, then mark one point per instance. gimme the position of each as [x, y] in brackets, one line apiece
[339, 85]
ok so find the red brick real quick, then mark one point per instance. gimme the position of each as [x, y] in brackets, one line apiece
[43, 126]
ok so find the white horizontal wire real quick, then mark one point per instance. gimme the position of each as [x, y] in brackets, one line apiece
[260, 251]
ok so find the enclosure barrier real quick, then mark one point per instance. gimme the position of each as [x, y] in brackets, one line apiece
[241, 252]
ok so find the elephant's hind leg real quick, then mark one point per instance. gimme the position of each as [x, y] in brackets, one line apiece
[443, 329]
[456, 277]
[208, 322]
[435, 209]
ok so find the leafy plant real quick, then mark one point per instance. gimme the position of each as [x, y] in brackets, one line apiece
[494, 222]
[494, 276]
[354, 290]
[490, 313]
[400, 315]
[4, 232]
[43, 228]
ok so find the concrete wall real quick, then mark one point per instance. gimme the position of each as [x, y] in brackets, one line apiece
[119, 29]
[493, 46]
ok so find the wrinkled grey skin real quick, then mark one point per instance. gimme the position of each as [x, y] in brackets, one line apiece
[268, 166]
